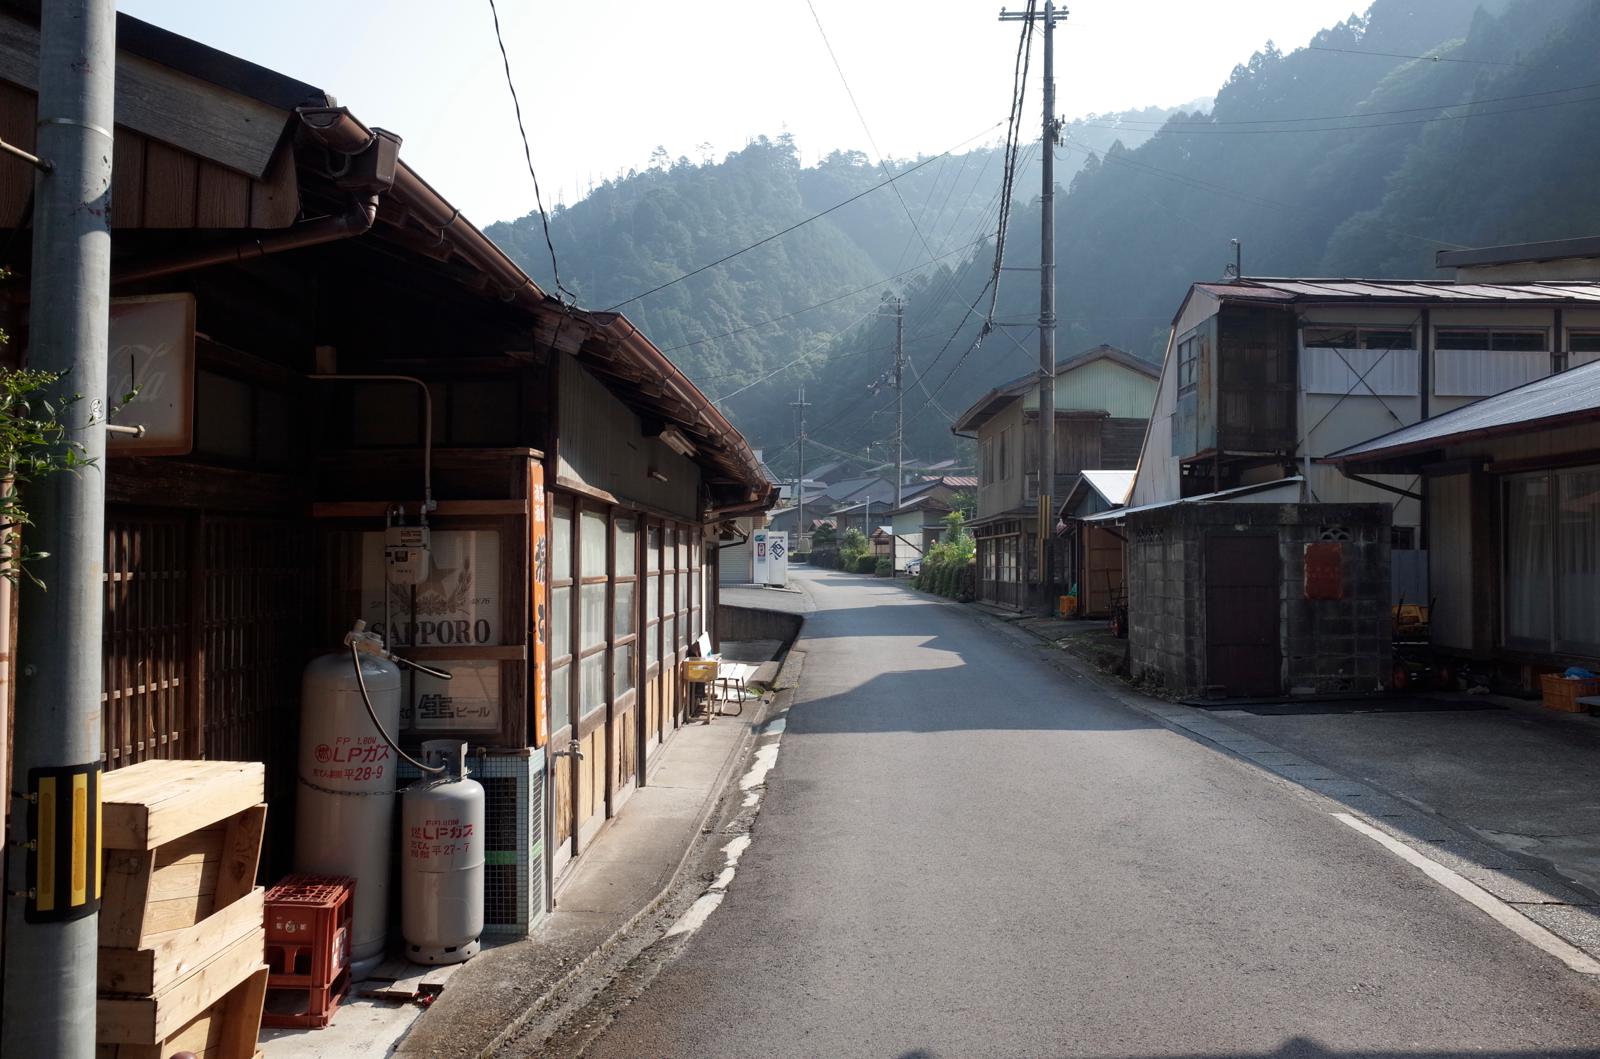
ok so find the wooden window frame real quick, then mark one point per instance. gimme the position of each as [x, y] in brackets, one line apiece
[586, 720]
[563, 667]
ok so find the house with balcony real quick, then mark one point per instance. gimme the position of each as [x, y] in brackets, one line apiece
[1103, 400]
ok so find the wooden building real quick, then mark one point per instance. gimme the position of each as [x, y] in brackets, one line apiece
[323, 345]
[1103, 398]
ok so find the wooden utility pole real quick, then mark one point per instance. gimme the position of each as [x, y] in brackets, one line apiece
[899, 398]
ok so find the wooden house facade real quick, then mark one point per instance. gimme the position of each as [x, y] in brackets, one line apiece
[331, 347]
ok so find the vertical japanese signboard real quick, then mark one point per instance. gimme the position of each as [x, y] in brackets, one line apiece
[538, 567]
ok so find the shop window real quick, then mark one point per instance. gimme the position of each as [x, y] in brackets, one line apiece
[562, 647]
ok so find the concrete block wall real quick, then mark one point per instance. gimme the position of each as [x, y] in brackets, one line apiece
[1327, 646]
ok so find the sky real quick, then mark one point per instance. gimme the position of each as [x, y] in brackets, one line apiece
[602, 84]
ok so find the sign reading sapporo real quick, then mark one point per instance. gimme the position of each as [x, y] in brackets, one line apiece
[457, 605]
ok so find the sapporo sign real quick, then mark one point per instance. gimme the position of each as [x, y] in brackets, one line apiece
[458, 605]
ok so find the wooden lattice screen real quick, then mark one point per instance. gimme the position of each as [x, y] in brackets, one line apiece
[147, 699]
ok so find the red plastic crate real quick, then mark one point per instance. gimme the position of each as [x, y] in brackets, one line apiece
[308, 931]
[304, 1007]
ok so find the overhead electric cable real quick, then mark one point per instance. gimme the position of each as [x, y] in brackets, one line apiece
[798, 224]
[527, 154]
[1401, 55]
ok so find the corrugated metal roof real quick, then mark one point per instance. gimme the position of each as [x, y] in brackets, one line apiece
[1113, 486]
[1573, 394]
[1317, 289]
[1260, 493]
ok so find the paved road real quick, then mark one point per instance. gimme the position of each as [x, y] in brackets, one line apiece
[960, 855]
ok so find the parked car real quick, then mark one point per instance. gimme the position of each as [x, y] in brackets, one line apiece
[914, 567]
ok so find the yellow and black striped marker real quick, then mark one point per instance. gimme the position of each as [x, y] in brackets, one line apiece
[64, 862]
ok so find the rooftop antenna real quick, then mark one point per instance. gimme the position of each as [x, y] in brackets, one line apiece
[1235, 271]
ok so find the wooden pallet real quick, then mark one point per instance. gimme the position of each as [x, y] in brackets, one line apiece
[153, 1019]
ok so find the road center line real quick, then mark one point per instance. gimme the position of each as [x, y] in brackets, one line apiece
[1476, 895]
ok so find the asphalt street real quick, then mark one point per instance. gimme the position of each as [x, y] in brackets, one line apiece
[961, 854]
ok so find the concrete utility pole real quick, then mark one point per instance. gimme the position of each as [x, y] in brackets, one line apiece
[800, 475]
[1047, 287]
[899, 398]
[52, 913]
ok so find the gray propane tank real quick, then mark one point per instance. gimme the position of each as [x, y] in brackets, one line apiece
[344, 812]
[441, 885]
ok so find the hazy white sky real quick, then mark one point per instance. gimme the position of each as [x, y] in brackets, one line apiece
[602, 83]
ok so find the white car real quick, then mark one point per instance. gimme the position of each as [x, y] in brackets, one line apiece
[914, 567]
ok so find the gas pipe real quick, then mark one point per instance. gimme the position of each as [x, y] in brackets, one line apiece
[344, 815]
[441, 882]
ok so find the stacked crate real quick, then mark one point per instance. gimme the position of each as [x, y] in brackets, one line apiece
[308, 949]
[181, 934]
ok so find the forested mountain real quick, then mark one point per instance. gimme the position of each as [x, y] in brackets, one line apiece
[1342, 158]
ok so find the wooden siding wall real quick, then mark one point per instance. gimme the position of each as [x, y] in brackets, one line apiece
[154, 185]
[602, 446]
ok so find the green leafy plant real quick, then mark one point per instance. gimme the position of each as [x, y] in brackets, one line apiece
[33, 446]
[884, 567]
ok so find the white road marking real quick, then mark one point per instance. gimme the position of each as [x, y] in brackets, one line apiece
[1476, 895]
[766, 756]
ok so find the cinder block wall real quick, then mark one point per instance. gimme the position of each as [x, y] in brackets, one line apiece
[1327, 646]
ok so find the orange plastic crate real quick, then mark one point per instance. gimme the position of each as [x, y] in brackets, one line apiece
[308, 930]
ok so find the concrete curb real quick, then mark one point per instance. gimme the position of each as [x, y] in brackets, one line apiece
[784, 686]
[1557, 904]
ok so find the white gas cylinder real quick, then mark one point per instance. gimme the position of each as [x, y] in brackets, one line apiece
[441, 884]
[344, 811]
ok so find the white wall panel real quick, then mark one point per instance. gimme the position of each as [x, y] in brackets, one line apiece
[1483, 372]
[1388, 373]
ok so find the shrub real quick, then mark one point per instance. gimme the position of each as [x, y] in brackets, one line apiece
[885, 567]
[866, 564]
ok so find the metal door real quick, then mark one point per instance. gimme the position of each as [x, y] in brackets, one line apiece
[1242, 621]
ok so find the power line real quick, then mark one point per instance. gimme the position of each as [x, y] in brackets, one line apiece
[828, 301]
[798, 224]
[1399, 55]
[527, 154]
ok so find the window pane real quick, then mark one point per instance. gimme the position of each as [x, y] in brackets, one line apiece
[683, 632]
[592, 616]
[652, 549]
[561, 543]
[622, 673]
[682, 581]
[1462, 340]
[560, 698]
[1331, 337]
[694, 622]
[652, 645]
[652, 598]
[669, 632]
[560, 622]
[622, 621]
[592, 682]
[1520, 341]
[592, 561]
[626, 534]
[1578, 559]
[1387, 340]
[1528, 559]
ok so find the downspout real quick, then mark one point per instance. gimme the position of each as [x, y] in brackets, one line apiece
[1305, 422]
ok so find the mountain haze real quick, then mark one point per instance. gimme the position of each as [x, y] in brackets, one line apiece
[1346, 157]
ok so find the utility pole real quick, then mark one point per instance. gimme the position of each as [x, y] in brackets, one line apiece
[899, 398]
[52, 911]
[1050, 136]
[800, 475]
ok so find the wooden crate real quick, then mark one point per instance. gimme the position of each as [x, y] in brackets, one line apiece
[156, 802]
[1563, 694]
[154, 1019]
[227, 1029]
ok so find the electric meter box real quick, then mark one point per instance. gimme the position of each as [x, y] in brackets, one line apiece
[405, 554]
